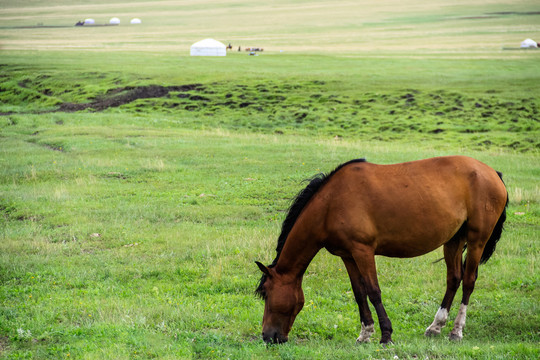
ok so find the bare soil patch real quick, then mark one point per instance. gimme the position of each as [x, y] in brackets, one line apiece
[124, 95]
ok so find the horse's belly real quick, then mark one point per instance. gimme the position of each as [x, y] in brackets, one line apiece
[415, 242]
[405, 250]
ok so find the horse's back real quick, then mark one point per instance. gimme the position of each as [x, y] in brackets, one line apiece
[410, 208]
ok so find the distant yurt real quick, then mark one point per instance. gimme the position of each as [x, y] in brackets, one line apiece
[208, 47]
[89, 21]
[135, 21]
[529, 43]
[114, 21]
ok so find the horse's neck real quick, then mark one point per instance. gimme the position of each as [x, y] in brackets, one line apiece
[296, 255]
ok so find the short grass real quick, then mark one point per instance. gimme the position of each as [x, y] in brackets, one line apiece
[132, 241]
[137, 187]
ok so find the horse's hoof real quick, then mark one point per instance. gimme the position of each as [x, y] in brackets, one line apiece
[386, 342]
[432, 332]
[365, 334]
[455, 336]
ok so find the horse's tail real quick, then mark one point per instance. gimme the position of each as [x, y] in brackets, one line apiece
[497, 231]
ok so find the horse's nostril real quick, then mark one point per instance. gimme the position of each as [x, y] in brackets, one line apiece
[266, 338]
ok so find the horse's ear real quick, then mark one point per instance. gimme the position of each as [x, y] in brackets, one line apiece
[263, 268]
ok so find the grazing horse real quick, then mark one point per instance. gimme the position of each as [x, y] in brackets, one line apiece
[404, 210]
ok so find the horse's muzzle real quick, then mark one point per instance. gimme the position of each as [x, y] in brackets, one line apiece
[273, 337]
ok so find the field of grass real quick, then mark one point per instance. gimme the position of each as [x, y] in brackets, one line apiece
[138, 185]
[316, 26]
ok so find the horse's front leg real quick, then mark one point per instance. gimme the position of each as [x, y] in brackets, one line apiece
[360, 295]
[364, 258]
[453, 258]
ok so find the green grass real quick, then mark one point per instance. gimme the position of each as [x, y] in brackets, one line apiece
[131, 231]
[276, 97]
[171, 273]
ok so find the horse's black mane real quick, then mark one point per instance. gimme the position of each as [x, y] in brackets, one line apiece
[297, 205]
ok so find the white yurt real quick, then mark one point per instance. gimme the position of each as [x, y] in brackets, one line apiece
[114, 21]
[529, 43]
[135, 21]
[89, 21]
[208, 47]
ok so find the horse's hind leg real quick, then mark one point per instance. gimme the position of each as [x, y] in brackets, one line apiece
[361, 299]
[474, 253]
[453, 258]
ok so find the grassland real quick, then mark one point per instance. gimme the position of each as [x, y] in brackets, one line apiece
[138, 185]
[315, 26]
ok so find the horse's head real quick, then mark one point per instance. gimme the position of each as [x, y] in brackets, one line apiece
[284, 298]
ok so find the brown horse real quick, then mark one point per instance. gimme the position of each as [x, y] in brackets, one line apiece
[404, 210]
